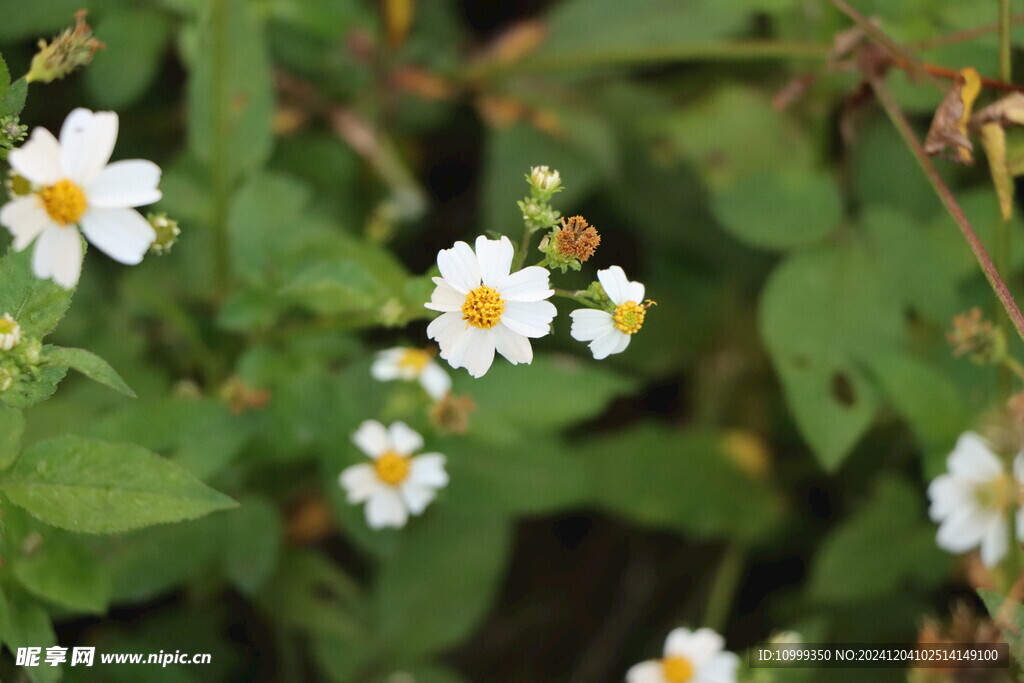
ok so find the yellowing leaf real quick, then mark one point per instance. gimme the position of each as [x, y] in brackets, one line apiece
[993, 139]
[949, 127]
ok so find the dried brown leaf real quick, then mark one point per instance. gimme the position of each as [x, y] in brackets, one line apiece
[949, 127]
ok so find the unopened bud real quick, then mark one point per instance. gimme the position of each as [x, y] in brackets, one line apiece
[544, 182]
[538, 214]
[73, 48]
[11, 131]
[167, 232]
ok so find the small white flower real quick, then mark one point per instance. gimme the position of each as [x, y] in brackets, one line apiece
[487, 309]
[544, 179]
[396, 484]
[74, 187]
[610, 331]
[412, 364]
[690, 657]
[10, 332]
[973, 499]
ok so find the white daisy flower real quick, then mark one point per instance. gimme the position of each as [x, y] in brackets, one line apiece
[973, 499]
[487, 309]
[396, 484]
[412, 364]
[74, 187]
[10, 332]
[690, 657]
[610, 331]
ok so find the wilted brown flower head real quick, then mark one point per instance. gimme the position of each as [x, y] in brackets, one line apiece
[451, 413]
[73, 48]
[577, 238]
[964, 627]
[975, 337]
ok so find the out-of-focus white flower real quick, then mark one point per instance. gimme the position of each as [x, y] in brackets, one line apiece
[690, 657]
[610, 331]
[397, 483]
[10, 332]
[412, 364]
[485, 308]
[74, 186]
[972, 501]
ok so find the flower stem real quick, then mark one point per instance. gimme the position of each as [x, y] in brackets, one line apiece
[723, 590]
[219, 31]
[523, 249]
[577, 296]
[899, 120]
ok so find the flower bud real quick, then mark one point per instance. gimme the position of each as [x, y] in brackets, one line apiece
[11, 131]
[538, 214]
[167, 232]
[544, 183]
[10, 332]
[72, 49]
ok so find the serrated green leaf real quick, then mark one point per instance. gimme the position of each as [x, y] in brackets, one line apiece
[30, 389]
[98, 487]
[12, 426]
[31, 626]
[37, 305]
[5, 76]
[12, 101]
[90, 365]
[63, 572]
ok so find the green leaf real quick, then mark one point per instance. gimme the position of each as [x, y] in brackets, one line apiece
[30, 626]
[230, 93]
[98, 487]
[5, 618]
[252, 544]
[12, 426]
[37, 305]
[65, 573]
[32, 388]
[12, 101]
[90, 365]
[676, 479]
[438, 584]
[859, 560]
[136, 40]
[262, 223]
[5, 76]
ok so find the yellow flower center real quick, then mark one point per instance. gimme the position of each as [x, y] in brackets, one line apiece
[414, 359]
[8, 326]
[483, 308]
[677, 669]
[392, 468]
[629, 317]
[64, 201]
[997, 494]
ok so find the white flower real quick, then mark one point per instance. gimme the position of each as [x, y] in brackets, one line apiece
[412, 364]
[690, 657]
[74, 187]
[396, 484]
[10, 332]
[973, 499]
[486, 308]
[610, 331]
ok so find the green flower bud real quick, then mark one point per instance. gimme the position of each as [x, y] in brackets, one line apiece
[167, 232]
[11, 131]
[544, 183]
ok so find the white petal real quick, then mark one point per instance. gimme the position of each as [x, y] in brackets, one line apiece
[635, 291]
[995, 543]
[495, 258]
[646, 672]
[125, 183]
[385, 367]
[964, 529]
[588, 324]
[459, 267]
[446, 330]
[473, 350]
[721, 669]
[445, 297]
[947, 493]
[623, 342]
[1018, 468]
[38, 159]
[532, 283]
[698, 647]
[606, 344]
[360, 482]
[122, 234]
[428, 470]
[615, 283]
[386, 508]
[58, 255]
[372, 438]
[530, 319]
[515, 347]
[26, 218]
[404, 440]
[1020, 523]
[435, 381]
[87, 141]
[973, 459]
[417, 498]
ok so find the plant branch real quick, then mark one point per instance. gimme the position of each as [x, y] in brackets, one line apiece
[963, 36]
[723, 590]
[892, 109]
[1005, 62]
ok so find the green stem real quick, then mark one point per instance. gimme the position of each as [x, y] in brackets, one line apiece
[219, 31]
[1005, 61]
[726, 583]
[523, 249]
[578, 296]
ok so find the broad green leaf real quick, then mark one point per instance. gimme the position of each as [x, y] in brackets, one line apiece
[12, 426]
[230, 92]
[12, 101]
[37, 305]
[263, 224]
[440, 581]
[65, 573]
[5, 76]
[252, 543]
[98, 487]
[90, 365]
[30, 626]
[136, 40]
[31, 388]
[680, 480]
[859, 560]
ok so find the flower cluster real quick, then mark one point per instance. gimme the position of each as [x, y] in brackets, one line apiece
[689, 657]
